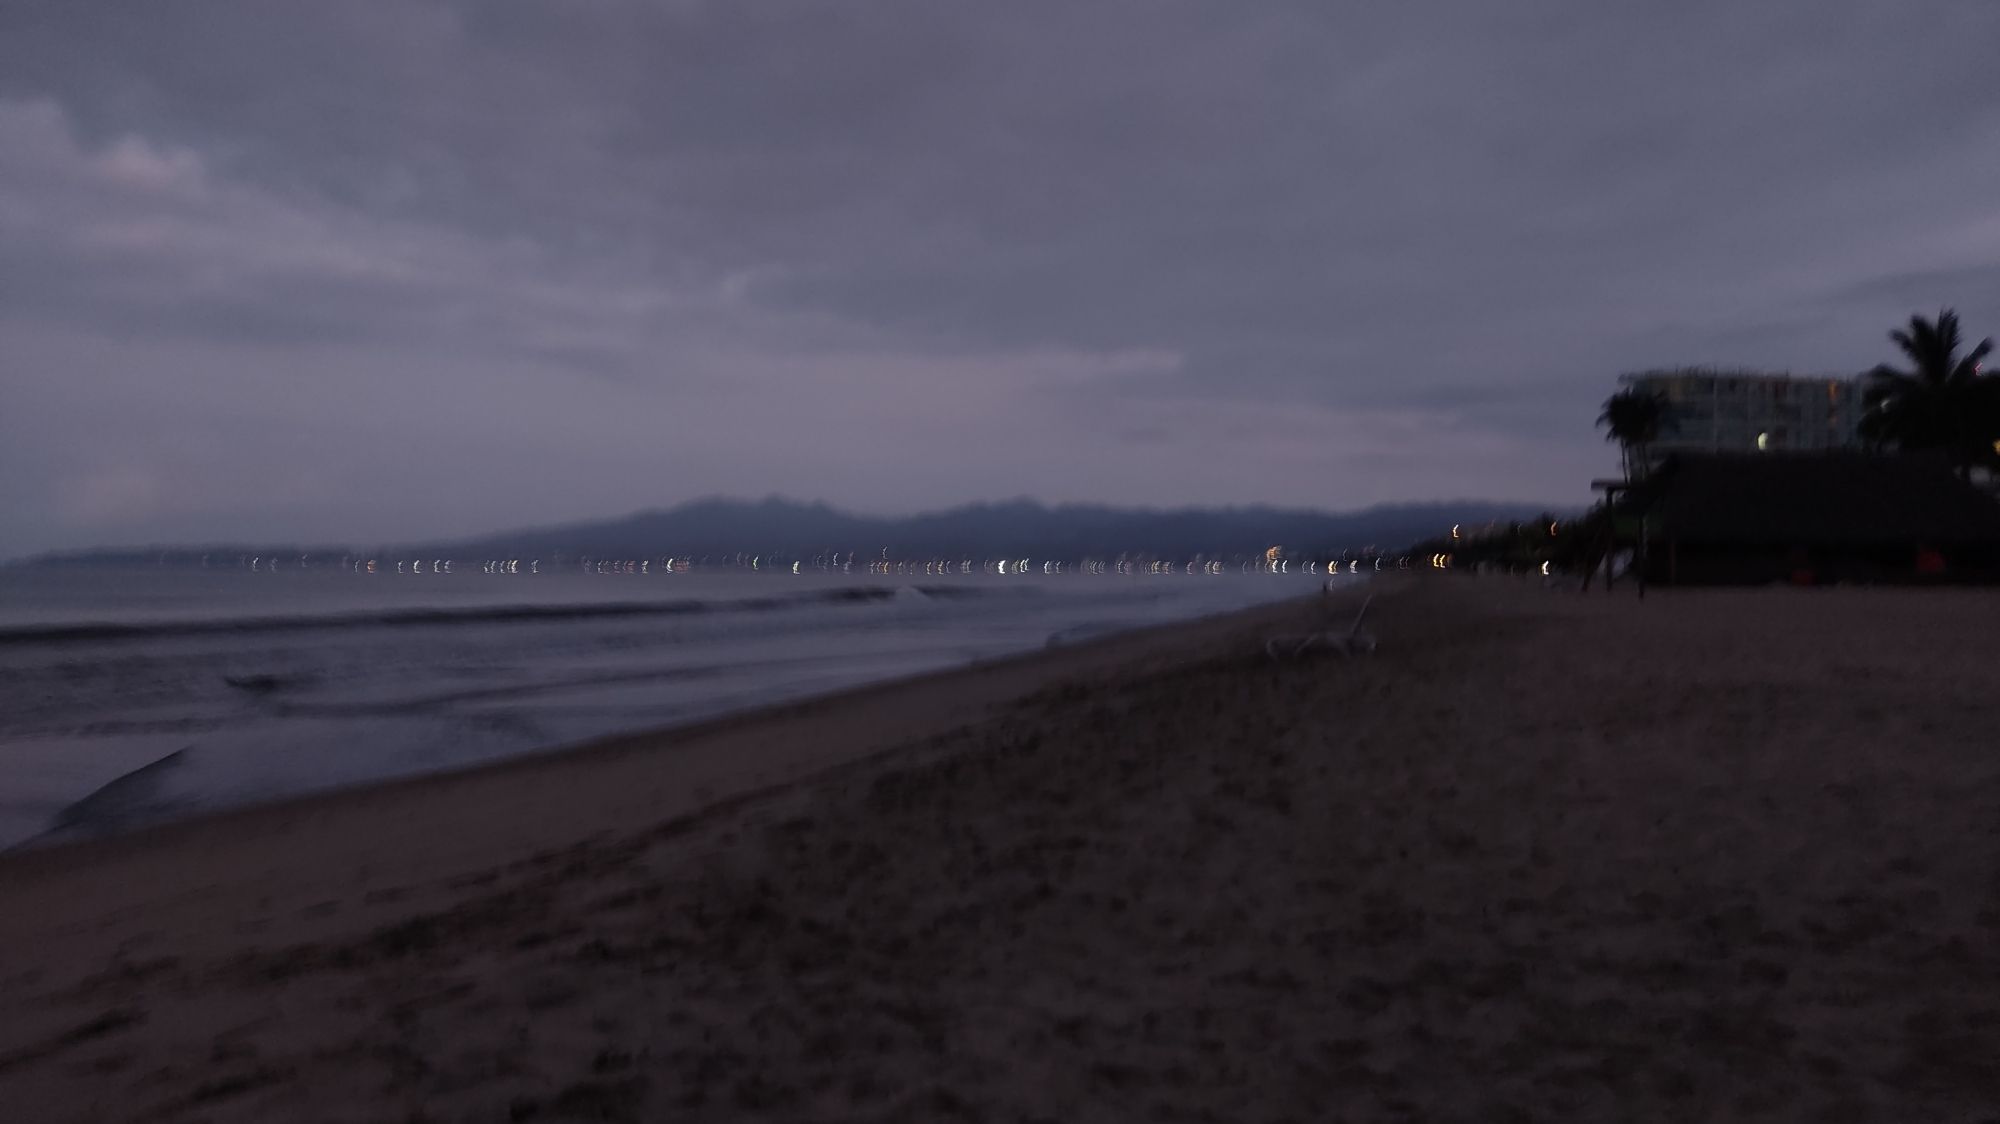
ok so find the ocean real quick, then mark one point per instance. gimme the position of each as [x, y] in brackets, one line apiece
[130, 697]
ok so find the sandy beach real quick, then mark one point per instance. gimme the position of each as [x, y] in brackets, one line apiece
[1724, 855]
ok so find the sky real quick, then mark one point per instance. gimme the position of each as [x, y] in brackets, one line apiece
[382, 271]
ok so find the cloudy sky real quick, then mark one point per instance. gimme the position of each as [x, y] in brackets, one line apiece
[378, 271]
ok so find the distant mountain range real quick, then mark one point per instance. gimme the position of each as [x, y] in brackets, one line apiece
[781, 528]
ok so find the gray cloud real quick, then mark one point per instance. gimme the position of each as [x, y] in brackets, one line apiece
[906, 253]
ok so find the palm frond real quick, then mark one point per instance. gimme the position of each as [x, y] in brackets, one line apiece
[1968, 369]
[1887, 382]
[1946, 330]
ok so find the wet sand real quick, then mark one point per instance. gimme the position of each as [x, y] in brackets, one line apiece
[1720, 855]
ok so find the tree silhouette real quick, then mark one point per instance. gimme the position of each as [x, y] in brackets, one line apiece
[1635, 418]
[1944, 402]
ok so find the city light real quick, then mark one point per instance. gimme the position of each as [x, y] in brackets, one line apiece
[1269, 560]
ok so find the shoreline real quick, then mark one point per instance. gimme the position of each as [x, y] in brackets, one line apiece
[91, 764]
[1716, 855]
[894, 712]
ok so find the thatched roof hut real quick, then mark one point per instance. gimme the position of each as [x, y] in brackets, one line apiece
[1812, 517]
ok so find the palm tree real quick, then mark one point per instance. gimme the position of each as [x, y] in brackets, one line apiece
[1634, 418]
[1944, 402]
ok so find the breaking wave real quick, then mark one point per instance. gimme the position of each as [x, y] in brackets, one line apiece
[97, 632]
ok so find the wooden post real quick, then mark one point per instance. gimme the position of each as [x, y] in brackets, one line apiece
[1640, 556]
[1610, 549]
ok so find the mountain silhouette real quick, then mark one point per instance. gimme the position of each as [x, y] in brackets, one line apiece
[1015, 528]
[781, 528]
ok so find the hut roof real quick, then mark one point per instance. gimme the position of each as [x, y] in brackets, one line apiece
[1823, 497]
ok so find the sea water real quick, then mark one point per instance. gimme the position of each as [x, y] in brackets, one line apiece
[128, 697]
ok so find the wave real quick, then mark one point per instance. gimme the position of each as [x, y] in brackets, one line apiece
[1088, 630]
[123, 803]
[104, 631]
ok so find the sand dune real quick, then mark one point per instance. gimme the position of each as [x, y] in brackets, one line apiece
[1722, 855]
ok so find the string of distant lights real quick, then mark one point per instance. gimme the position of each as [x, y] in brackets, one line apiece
[928, 568]
[1272, 561]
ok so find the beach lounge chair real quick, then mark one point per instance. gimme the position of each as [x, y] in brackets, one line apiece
[1353, 642]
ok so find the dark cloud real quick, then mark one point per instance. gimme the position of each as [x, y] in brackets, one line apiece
[906, 253]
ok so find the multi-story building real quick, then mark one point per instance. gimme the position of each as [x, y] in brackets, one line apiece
[1713, 410]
